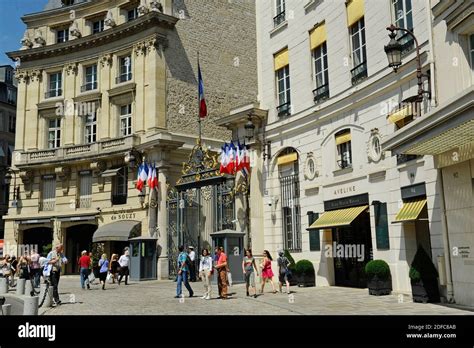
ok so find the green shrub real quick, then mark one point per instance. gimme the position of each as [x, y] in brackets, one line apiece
[47, 248]
[379, 269]
[422, 267]
[292, 266]
[304, 267]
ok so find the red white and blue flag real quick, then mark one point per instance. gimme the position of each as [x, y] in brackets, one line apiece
[152, 178]
[202, 99]
[142, 176]
[234, 159]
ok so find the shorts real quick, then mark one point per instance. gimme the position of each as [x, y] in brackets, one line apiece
[250, 279]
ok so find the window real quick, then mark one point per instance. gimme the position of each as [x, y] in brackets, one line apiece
[85, 189]
[314, 235]
[284, 95]
[11, 96]
[48, 193]
[280, 12]
[62, 35]
[471, 50]
[125, 73]
[132, 14]
[54, 133]
[90, 128]
[67, 2]
[11, 123]
[90, 74]
[344, 150]
[126, 120]
[402, 16]
[359, 56]
[97, 26]
[290, 194]
[381, 226]
[120, 187]
[55, 85]
[320, 59]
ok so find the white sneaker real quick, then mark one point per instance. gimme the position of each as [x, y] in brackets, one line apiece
[207, 298]
[203, 297]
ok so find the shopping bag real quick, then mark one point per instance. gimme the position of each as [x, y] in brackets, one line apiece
[109, 278]
[47, 270]
[91, 277]
[229, 278]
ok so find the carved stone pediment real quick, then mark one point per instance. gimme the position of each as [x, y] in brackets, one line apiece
[36, 75]
[105, 60]
[64, 174]
[71, 68]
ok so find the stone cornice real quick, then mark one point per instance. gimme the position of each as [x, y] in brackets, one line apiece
[140, 24]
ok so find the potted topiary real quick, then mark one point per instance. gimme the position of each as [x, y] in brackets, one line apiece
[305, 271]
[424, 278]
[292, 267]
[379, 279]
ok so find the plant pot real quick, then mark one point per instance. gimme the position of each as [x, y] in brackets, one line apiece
[425, 291]
[379, 287]
[306, 280]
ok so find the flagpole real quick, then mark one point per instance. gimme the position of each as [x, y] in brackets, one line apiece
[199, 107]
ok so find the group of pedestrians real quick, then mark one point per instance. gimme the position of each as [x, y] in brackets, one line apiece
[219, 263]
[109, 270]
[28, 266]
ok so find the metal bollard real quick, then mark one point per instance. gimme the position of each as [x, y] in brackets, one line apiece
[48, 301]
[3, 286]
[28, 287]
[7, 309]
[20, 287]
[30, 305]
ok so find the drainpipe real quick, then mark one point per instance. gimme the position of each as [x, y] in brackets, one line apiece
[447, 248]
[431, 61]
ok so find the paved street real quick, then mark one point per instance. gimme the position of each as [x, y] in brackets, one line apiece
[156, 297]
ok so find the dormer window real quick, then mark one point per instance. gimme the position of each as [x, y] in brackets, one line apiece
[62, 35]
[98, 26]
[132, 14]
[68, 2]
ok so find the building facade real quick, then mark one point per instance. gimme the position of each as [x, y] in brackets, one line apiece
[7, 134]
[331, 195]
[447, 134]
[106, 85]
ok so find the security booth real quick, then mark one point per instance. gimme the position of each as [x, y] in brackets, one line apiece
[233, 242]
[143, 257]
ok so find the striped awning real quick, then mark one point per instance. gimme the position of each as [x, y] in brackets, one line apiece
[355, 11]
[411, 210]
[400, 114]
[285, 159]
[343, 138]
[318, 35]
[281, 59]
[338, 218]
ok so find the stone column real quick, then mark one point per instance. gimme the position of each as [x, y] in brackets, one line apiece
[22, 77]
[20, 286]
[105, 83]
[163, 266]
[33, 97]
[138, 68]
[3, 286]
[70, 113]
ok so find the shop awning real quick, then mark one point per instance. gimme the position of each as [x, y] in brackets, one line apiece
[338, 218]
[110, 172]
[410, 210]
[119, 231]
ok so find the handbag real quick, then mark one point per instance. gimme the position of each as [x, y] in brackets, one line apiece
[91, 277]
[109, 277]
[229, 278]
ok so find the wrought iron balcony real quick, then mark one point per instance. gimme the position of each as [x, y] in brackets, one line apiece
[284, 109]
[89, 87]
[359, 73]
[279, 18]
[343, 164]
[402, 158]
[123, 78]
[321, 93]
[119, 199]
[54, 93]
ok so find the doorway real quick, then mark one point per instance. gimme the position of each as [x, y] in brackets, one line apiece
[78, 238]
[353, 251]
[41, 238]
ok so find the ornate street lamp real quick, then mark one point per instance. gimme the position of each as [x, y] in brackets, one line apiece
[7, 178]
[394, 55]
[249, 128]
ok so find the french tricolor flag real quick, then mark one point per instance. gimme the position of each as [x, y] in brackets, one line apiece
[202, 99]
[152, 178]
[142, 176]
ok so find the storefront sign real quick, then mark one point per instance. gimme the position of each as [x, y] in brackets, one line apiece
[344, 190]
[413, 191]
[123, 216]
[346, 202]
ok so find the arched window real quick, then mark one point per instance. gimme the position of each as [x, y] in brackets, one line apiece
[290, 198]
[344, 148]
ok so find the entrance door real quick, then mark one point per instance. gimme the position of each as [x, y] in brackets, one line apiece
[40, 238]
[78, 238]
[356, 242]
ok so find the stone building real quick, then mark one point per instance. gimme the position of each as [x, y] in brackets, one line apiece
[105, 85]
[7, 134]
[331, 100]
[447, 135]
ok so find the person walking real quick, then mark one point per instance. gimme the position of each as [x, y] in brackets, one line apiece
[192, 265]
[183, 271]
[283, 271]
[205, 273]
[222, 269]
[114, 267]
[267, 273]
[248, 267]
[124, 261]
[14, 265]
[91, 275]
[23, 268]
[104, 270]
[35, 268]
[56, 259]
[84, 266]
[7, 268]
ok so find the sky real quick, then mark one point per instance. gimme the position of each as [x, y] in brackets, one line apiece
[12, 27]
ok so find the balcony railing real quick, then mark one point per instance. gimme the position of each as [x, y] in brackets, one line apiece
[359, 73]
[89, 87]
[53, 93]
[321, 93]
[47, 204]
[343, 164]
[123, 78]
[119, 199]
[85, 202]
[278, 19]
[284, 109]
[402, 158]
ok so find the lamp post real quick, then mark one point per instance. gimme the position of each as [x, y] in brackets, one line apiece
[394, 55]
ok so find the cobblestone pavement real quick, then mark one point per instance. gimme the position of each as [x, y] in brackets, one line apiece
[156, 298]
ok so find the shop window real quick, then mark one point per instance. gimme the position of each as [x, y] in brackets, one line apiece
[314, 235]
[381, 226]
